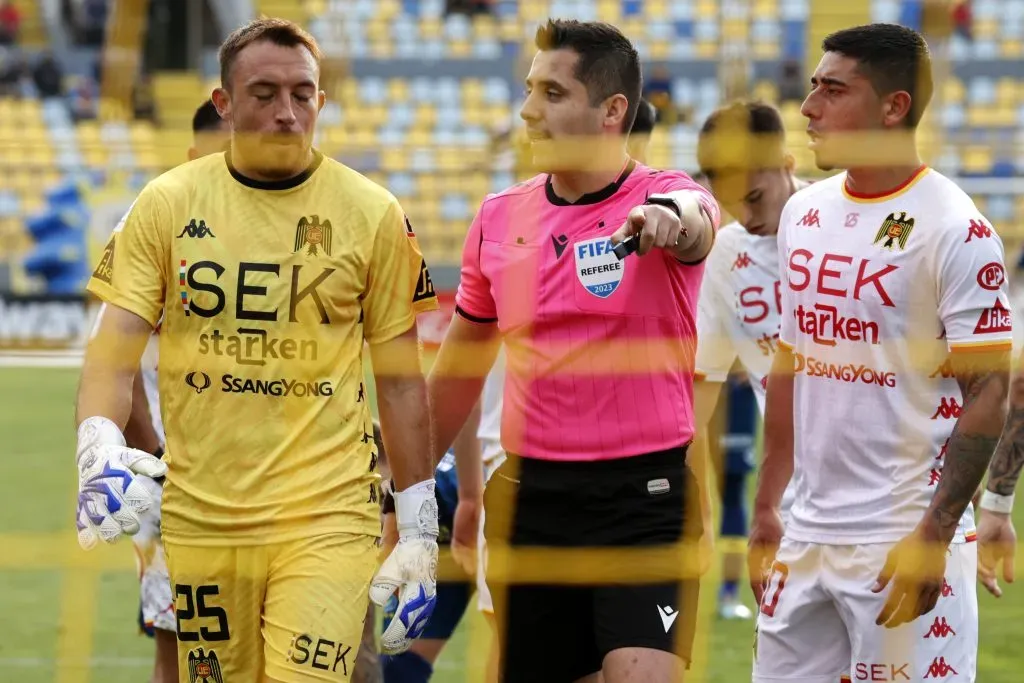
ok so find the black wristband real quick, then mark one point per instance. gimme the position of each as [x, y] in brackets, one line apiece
[159, 452]
[667, 202]
[387, 500]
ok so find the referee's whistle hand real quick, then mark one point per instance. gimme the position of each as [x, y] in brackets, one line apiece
[656, 226]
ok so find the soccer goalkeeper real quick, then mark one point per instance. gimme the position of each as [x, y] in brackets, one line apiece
[271, 503]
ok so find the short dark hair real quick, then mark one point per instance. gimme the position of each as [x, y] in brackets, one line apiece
[645, 120]
[608, 63]
[206, 118]
[892, 58]
[277, 31]
[745, 135]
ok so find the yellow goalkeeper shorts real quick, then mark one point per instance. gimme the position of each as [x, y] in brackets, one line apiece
[292, 612]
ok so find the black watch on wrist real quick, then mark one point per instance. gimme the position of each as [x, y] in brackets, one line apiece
[387, 501]
[667, 202]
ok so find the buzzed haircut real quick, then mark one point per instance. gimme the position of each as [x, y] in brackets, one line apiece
[206, 118]
[741, 136]
[892, 58]
[608, 63]
[277, 31]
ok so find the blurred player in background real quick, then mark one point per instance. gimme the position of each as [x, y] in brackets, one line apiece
[742, 154]
[145, 431]
[596, 444]
[640, 134]
[271, 507]
[888, 391]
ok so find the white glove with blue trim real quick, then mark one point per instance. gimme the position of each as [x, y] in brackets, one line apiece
[110, 495]
[411, 568]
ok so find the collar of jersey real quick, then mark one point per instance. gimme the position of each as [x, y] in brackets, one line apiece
[286, 184]
[591, 197]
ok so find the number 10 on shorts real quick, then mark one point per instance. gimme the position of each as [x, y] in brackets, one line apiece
[196, 606]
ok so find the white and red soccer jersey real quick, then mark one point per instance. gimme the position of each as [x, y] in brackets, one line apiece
[876, 293]
[740, 307]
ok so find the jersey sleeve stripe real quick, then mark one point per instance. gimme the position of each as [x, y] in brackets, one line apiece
[473, 318]
[981, 346]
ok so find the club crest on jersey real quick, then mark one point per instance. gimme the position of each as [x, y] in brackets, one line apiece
[204, 667]
[310, 233]
[895, 230]
[598, 269]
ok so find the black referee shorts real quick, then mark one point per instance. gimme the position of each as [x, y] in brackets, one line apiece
[557, 633]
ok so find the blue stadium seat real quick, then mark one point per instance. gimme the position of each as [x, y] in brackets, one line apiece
[633, 8]
[794, 38]
[910, 13]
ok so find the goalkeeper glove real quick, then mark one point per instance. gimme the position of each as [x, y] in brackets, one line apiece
[110, 497]
[411, 568]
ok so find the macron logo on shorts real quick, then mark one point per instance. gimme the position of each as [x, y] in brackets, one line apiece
[668, 616]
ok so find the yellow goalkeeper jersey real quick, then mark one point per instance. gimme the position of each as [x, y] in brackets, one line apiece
[267, 292]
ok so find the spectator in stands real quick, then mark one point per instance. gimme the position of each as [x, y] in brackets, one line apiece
[83, 99]
[963, 19]
[791, 83]
[16, 78]
[658, 91]
[94, 21]
[143, 101]
[10, 22]
[48, 77]
[467, 6]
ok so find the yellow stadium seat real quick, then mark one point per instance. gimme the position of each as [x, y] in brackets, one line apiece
[656, 9]
[430, 28]
[485, 27]
[383, 48]
[363, 138]
[510, 30]
[1011, 48]
[426, 115]
[394, 159]
[707, 9]
[766, 50]
[449, 159]
[953, 90]
[735, 30]
[350, 92]
[460, 48]
[765, 9]
[532, 10]
[388, 9]
[1006, 92]
[472, 92]
[608, 10]
[767, 91]
[985, 28]
[707, 49]
[419, 137]
[659, 49]
[976, 159]
[398, 90]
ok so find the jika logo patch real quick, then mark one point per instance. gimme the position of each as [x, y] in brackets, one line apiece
[597, 267]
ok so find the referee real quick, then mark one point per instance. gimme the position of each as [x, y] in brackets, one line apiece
[597, 415]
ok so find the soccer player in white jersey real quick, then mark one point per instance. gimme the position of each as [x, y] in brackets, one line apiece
[145, 431]
[742, 153]
[888, 392]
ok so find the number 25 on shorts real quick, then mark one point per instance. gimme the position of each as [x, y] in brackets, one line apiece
[196, 606]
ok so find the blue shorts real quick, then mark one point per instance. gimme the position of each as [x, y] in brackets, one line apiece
[452, 598]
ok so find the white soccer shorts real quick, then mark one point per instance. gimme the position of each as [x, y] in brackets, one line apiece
[484, 603]
[155, 595]
[817, 620]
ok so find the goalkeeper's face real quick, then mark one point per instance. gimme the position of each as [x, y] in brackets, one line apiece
[563, 125]
[273, 102]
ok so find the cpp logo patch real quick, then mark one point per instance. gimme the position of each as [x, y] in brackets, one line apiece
[597, 267]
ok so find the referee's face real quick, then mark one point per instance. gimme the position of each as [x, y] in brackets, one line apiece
[273, 102]
[561, 123]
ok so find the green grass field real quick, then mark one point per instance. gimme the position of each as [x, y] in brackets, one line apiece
[69, 616]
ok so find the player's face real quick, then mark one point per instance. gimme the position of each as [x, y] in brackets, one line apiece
[272, 106]
[755, 199]
[207, 142]
[561, 123]
[841, 104]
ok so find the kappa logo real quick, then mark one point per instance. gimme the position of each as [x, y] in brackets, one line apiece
[934, 477]
[947, 590]
[994, 320]
[948, 407]
[811, 219]
[424, 286]
[977, 228]
[204, 667]
[597, 268]
[940, 629]
[196, 231]
[559, 243]
[105, 268]
[310, 233]
[199, 381]
[668, 616]
[895, 231]
[742, 261]
[940, 669]
[408, 228]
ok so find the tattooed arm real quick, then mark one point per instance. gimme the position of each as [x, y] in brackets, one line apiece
[984, 378]
[916, 565]
[1008, 460]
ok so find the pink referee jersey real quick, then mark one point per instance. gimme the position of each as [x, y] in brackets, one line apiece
[599, 351]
